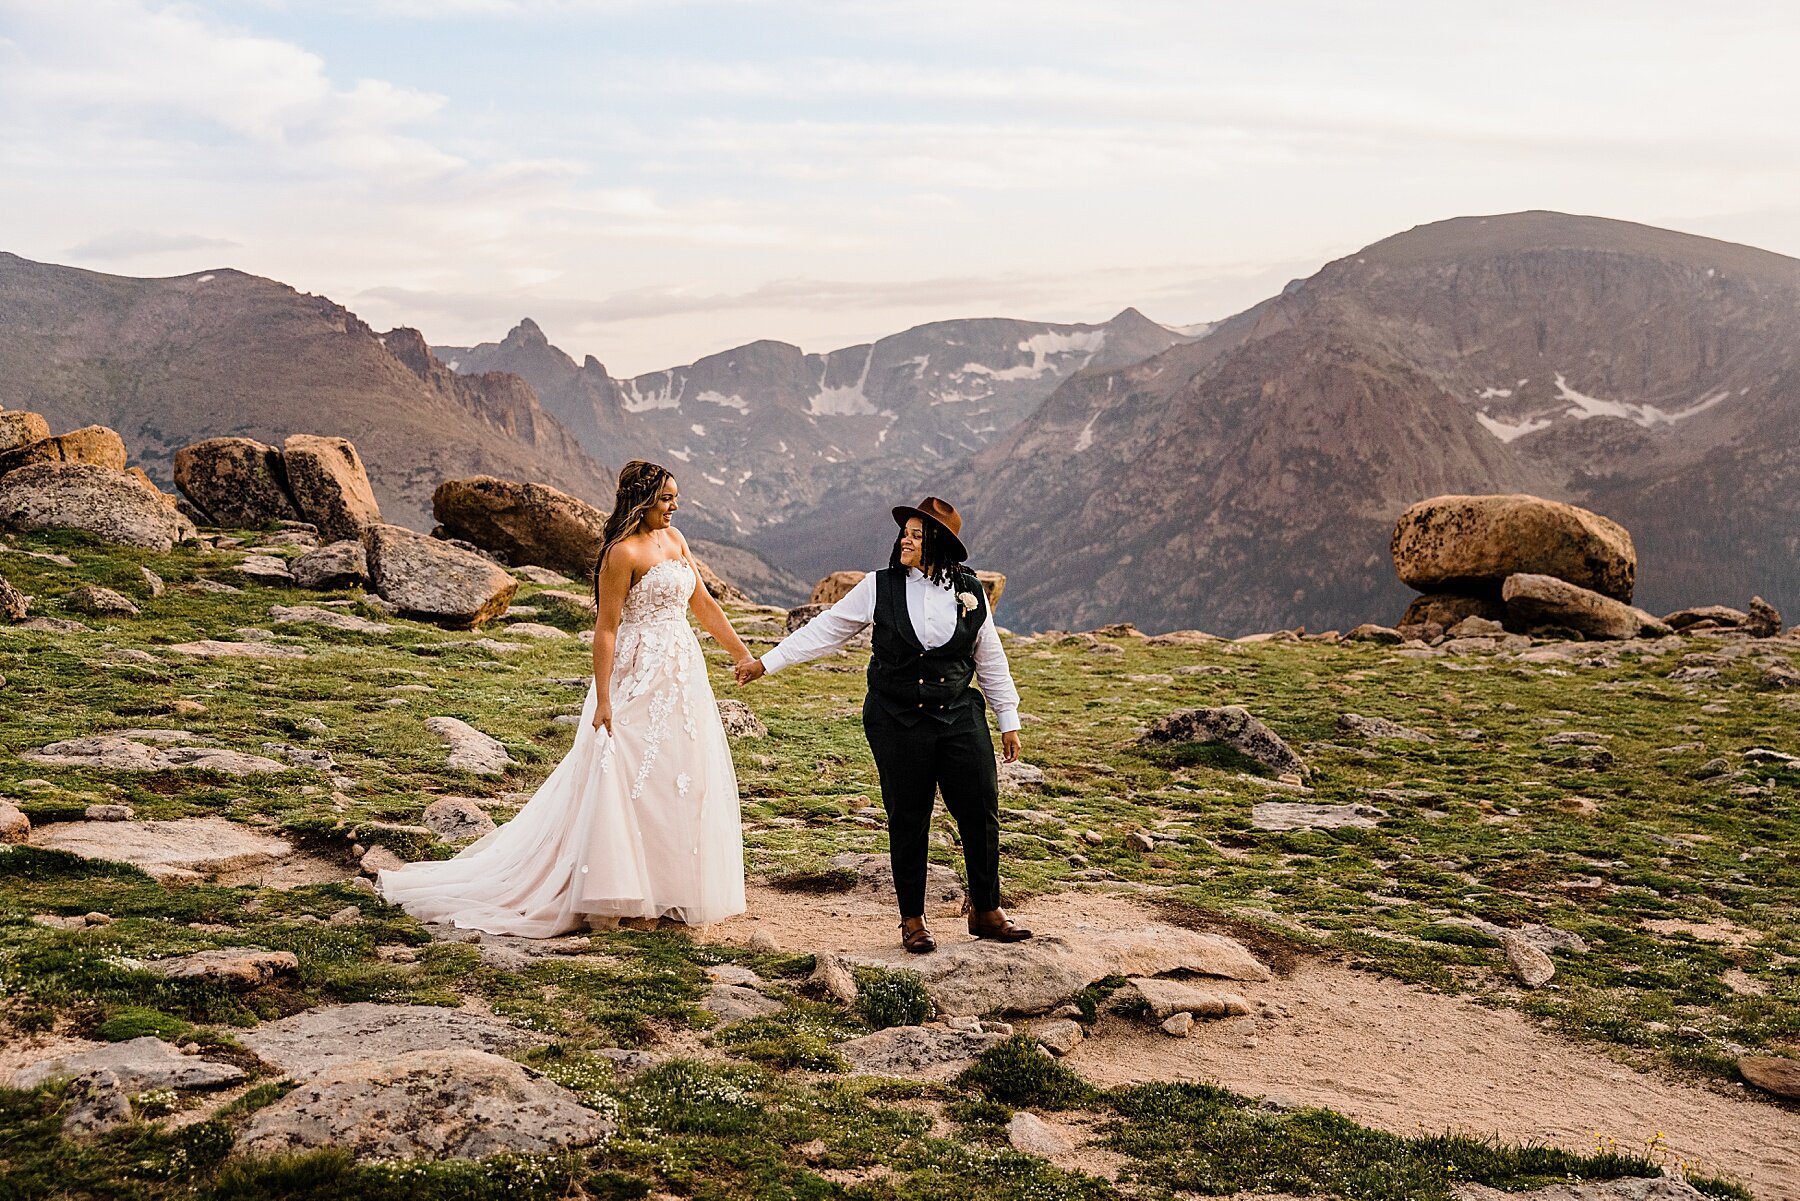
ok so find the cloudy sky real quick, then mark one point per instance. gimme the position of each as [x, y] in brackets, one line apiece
[655, 179]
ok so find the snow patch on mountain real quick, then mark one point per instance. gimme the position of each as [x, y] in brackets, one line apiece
[666, 397]
[1648, 416]
[734, 401]
[1507, 431]
[841, 401]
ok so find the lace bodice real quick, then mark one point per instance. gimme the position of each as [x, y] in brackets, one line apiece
[661, 595]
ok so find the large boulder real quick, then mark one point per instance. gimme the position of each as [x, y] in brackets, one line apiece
[525, 524]
[19, 428]
[449, 1104]
[325, 477]
[429, 578]
[91, 444]
[834, 587]
[235, 482]
[1542, 600]
[1471, 544]
[104, 502]
[992, 583]
[1447, 609]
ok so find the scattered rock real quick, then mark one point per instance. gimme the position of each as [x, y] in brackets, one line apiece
[102, 602]
[233, 967]
[107, 813]
[335, 565]
[434, 580]
[1015, 777]
[13, 603]
[1302, 815]
[215, 587]
[1037, 975]
[1370, 632]
[531, 629]
[1530, 966]
[522, 523]
[1476, 627]
[1471, 544]
[1772, 1073]
[543, 575]
[1059, 1035]
[739, 721]
[15, 827]
[265, 569]
[1169, 997]
[1139, 841]
[1779, 675]
[735, 1002]
[109, 504]
[1379, 727]
[875, 874]
[438, 1104]
[140, 1064]
[470, 749]
[379, 859]
[316, 1039]
[236, 482]
[54, 625]
[122, 754]
[1710, 616]
[325, 477]
[97, 1103]
[1533, 600]
[762, 940]
[329, 618]
[1763, 620]
[456, 819]
[186, 849]
[831, 974]
[908, 1050]
[1034, 1136]
[209, 648]
[1178, 1025]
[1233, 726]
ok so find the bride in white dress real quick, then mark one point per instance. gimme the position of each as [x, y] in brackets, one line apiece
[640, 819]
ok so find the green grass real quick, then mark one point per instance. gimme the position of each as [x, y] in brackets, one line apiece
[1503, 828]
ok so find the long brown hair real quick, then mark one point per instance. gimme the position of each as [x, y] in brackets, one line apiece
[640, 483]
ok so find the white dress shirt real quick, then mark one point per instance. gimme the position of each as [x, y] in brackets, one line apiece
[932, 608]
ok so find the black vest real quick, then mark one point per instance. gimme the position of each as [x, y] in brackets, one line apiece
[909, 683]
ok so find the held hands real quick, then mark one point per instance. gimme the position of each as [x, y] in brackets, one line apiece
[1011, 747]
[748, 670]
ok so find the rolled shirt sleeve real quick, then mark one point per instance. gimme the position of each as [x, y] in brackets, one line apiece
[995, 677]
[830, 630]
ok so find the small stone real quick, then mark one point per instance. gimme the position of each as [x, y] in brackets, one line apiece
[233, 967]
[349, 915]
[734, 1002]
[456, 819]
[1378, 728]
[831, 974]
[15, 827]
[152, 581]
[731, 973]
[1530, 966]
[1772, 1073]
[812, 1152]
[762, 940]
[101, 602]
[1178, 1024]
[107, 813]
[1137, 840]
[97, 1103]
[532, 629]
[739, 721]
[1032, 1135]
[379, 859]
[1058, 1034]
[470, 749]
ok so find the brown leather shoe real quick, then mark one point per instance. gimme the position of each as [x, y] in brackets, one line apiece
[916, 938]
[997, 926]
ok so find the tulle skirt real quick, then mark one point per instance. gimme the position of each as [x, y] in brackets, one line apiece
[640, 823]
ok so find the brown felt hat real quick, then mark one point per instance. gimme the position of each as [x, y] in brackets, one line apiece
[944, 515]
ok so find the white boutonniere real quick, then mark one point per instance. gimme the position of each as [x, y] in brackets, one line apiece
[965, 601]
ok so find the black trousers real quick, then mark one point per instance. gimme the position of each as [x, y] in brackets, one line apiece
[915, 762]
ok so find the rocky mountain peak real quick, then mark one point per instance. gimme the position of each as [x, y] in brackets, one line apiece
[525, 333]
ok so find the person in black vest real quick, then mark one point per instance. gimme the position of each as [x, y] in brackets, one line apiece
[933, 639]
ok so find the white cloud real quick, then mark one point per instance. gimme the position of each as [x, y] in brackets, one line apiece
[137, 243]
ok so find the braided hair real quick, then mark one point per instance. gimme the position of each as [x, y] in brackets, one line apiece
[640, 483]
[935, 559]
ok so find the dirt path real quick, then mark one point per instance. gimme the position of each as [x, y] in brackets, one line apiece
[1384, 1053]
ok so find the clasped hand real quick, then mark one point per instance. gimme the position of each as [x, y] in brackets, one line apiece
[748, 670]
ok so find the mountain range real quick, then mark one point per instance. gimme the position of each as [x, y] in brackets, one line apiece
[1234, 477]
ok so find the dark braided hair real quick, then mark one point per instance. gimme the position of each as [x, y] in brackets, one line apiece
[640, 483]
[935, 559]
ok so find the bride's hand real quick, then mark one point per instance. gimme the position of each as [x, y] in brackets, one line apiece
[748, 670]
[603, 715]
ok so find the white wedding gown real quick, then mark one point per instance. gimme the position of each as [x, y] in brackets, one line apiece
[642, 823]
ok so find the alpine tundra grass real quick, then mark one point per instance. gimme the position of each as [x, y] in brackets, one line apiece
[1678, 874]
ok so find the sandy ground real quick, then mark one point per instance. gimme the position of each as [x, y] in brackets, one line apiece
[1387, 1054]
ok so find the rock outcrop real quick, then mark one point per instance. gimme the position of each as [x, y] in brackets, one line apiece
[237, 482]
[834, 587]
[186, 849]
[109, 504]
[340, 564]
[524, 524]
[1232, 726]
[1470, 544]
[1541, 600]
[94, 444]
[428, 578]
[20, 428]
[325, 476]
